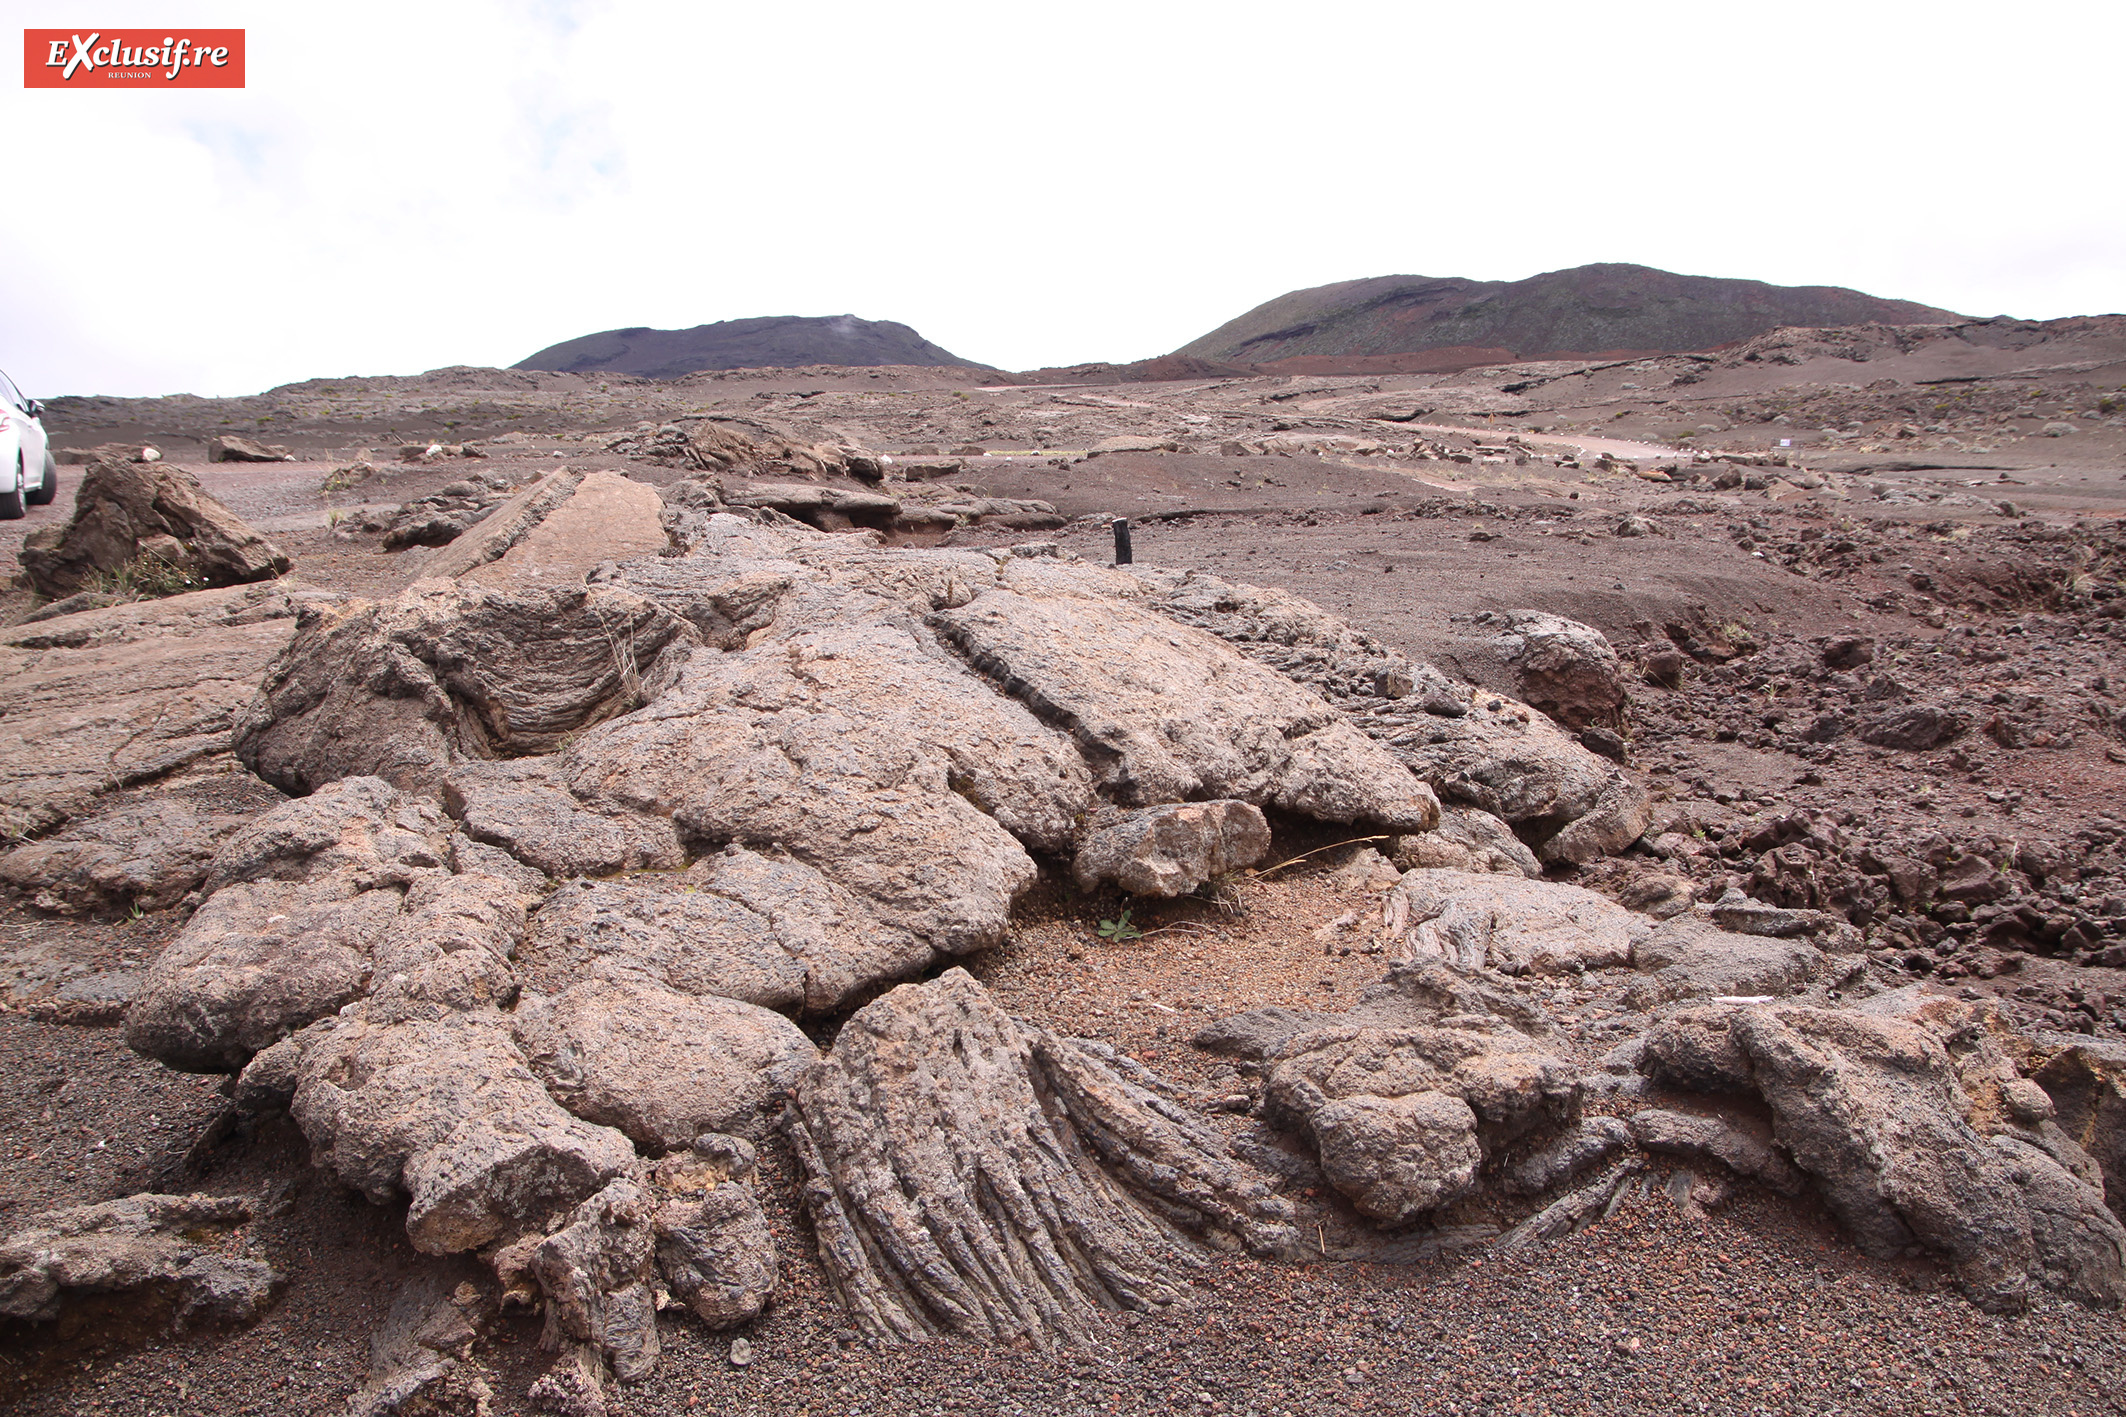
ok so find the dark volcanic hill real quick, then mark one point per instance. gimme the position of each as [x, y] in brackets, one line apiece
[1589, 310]
[769, 342]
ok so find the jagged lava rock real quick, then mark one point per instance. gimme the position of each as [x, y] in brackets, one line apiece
[402, 690]
[967, 1175]
[1404, 1117]
[1567, 669]
[1876, 1109]
[122, 505]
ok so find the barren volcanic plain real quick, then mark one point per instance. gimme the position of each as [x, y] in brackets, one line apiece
[1824, 633]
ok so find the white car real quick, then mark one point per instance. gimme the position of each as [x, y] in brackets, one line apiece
[28, 476]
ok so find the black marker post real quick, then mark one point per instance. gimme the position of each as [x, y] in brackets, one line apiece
[1122, 556]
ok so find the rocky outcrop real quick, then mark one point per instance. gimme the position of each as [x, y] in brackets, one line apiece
[166, 1261]
[766, 930]
[1711, 1139]
[1403, 1118]
[355, 963]
[556, 532]
[2084, 1080]
[968, 1175]
[827, 508]
[1172, 850]
[129, 694]
[437, 519]
[524, 807]
[441, 1112]
[148, 853]
[751, 449]
[1474, 747]
[1883, 1110]
[1500, 756]
[126, 510]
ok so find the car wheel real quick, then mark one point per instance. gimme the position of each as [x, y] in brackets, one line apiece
[11, 500]
[44, 491]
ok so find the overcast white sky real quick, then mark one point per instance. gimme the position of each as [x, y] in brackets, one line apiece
[404, 186]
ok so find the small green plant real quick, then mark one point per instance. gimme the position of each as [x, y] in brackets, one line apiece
[135, 912]
[144, 578]
[1119, 930]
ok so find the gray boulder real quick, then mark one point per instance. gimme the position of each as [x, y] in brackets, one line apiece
[165, 1261]
[1571, 1152]
[1467, 839]
[1566, 669]
[2084, 1079]
[1690, 958]
[1170, 850]
[1512, 924]
[232, 447]
[1915, 729]
[1257, 1033]
[714, 1247]
[420, 1355]
[661, 1067]
[1476, 747]
[828, 508]
[749, 447]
